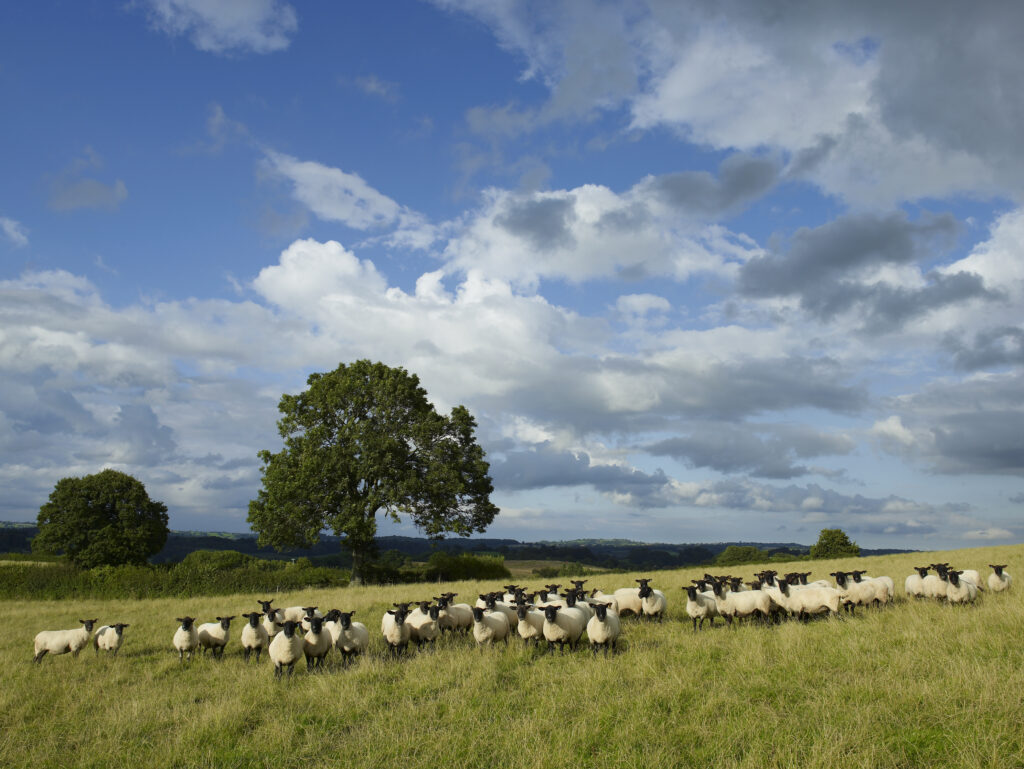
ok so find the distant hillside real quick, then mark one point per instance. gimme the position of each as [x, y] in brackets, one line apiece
[605, 553]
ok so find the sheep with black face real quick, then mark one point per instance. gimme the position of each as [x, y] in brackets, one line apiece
[63, 641]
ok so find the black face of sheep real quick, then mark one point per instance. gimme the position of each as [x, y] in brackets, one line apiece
[601, 610]
[186, 622]
[954, 577]
[253, 618]
[289, 629]
[998, 568]
[478, 614]
[310, 611]
[719, 587]
[552, 588]
[225, 622]
[922, 571]
[645, 590]
[345, 618]
[579, 583]
[316, 625]
[550, 613]
[265, 605]
[691, 592]
[840, 577]
[434, 611]
[400, 613]
[522, 610]
[119, 627]
[88, 624]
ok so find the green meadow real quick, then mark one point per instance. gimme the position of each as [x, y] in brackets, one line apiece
[917, 684]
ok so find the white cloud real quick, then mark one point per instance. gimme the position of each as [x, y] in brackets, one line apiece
[224, 26]
[892, 429]
[989, 534]
[14, 231]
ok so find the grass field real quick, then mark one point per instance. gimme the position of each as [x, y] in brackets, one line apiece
[915, 685]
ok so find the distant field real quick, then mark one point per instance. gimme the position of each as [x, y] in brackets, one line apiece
[916, 685]
[526, 568]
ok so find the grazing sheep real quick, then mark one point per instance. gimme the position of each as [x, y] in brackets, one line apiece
[913, 585]
[1000, 579]
[394, 629]
[254, 635]
[960, 590]
[316, 644]
[286, 648]
[186, 638]
[603, 628]
[489, 627]
[354, 638]
[700, 607]
[109, 637]
[563, 626]
[531, 623]
[652, 602]
[214, 635]
[63, 641]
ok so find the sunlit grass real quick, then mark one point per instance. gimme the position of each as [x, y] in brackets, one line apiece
[917, 684]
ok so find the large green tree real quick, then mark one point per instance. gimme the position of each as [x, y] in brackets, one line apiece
[361, 440]
[834, 543]
[101, 519]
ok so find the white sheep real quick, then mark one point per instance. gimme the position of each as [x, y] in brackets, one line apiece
[454, 616]
[884, 587]
[286, 648]
[63, 641]
[489, 627]
[960, 590]
[310, 612]
[628, 599]
[254, 635]
[973, 576]
[109, 637]
[186, 638]
[596, 596]
[492, 604]
[563, 626]
[999, 579]
[934, 586]
[423, 624]
[603, 628]
[913, 585]
[396, 633]
[851, 593]
[652, 602]
[700, 607]
[214, 635]
[746, 603]
[531, 623]
[805, 601]
[316, 644]
[354, 638]
[272, 619]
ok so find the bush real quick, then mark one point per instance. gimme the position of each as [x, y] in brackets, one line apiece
[447, 567]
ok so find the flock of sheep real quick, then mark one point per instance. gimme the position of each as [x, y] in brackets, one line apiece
[545, 615]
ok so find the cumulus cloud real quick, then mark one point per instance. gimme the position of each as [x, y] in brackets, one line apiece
[13, 231]
[226, 26]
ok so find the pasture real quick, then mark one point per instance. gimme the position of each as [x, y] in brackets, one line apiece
[916, 684]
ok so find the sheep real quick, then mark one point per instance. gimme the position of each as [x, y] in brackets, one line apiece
[109, 637]
[310, 612]
[652, 602]
[254, 635]
[852, 593]
[934, 585]
[286, 648]
[743, 604]
[805, 601]
[629, 601]
[492, 604]
[973, 576]
[563, 626]
[960, 590]
[354, 638]
[999, 579]
[63, 641]
[214, 635]
[913, 585]
[489, 627]
[603, 628]
[596, 596]
[186, 637]
[273, 618]
[572, 601]
[316, 644]
[422, 624]
[700, 607]
[394, 629]
[454, 616]
[531, 624]
[884, 587]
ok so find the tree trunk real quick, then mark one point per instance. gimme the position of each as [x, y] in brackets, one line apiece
[358, 561]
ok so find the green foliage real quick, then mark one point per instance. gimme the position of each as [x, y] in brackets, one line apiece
[734, 555]
[571, 569]
[449, 568]
[101, 519]
[364, 439]
[834, 543]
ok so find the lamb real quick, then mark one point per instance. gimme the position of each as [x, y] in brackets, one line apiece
[531, 624]
[913, 585]
[214, 635]
[109, 637]
[63, 641]
[273, 618]
[960, 590]
[354, 638]
[286, 648]
[489, 627]
[652, 602]
[563, 626]
[603, 628]
[254, 635]
[1000, 579]
[422, 622]
[394, 629]
[743, 604]
[700, 607]
[805, 601]
[316, 644]
[186, 637]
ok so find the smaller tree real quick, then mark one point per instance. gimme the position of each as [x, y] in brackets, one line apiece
[833, 543]
[101, 519]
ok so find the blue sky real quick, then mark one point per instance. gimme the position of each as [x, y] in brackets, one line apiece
[703, 271]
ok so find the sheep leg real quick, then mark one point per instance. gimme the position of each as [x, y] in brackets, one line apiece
[39, 657]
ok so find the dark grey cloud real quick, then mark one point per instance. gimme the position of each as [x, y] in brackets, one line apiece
[1018, 499]
[999, 346]
[543, 223]
[741, 179]
[763, 451]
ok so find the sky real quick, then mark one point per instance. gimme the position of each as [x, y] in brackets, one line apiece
[702, 271]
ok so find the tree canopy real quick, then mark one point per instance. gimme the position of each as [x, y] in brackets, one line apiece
[834, 543]
[364, 439]
[101, 519]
